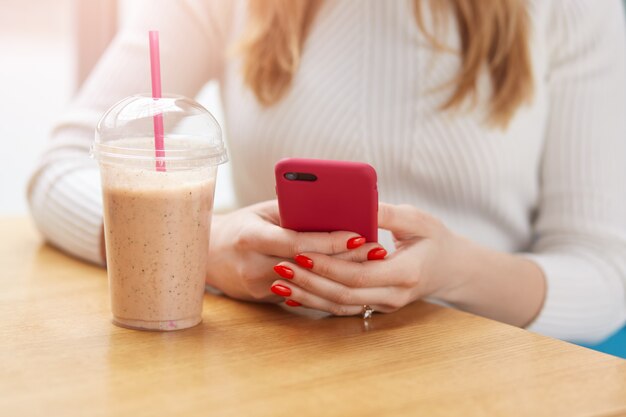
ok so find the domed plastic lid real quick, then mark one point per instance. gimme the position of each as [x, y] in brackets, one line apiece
[126, 133]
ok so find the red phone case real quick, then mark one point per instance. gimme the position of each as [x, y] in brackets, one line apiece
[343, 197]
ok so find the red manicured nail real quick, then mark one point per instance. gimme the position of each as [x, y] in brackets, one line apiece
[355, 242]
[304, 261]
[376, 254]
[283, 271]
[281, 290]
[292, 303]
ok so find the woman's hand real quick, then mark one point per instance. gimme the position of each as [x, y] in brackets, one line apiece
[430, 261]
[246, 244]
[427, 262]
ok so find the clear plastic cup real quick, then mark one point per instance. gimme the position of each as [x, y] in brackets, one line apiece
[157, 222]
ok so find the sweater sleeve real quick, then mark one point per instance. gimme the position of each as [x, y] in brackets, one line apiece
[580, 227]
[64, 192]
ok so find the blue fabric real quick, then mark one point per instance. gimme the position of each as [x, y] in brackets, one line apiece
[614, 345]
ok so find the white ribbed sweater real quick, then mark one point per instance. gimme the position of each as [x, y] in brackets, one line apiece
[551, 186]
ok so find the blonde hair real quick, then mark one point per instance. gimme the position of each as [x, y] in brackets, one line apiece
[494, 35]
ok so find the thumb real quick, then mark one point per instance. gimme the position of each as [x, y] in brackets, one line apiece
[404, 221]
[267, 210]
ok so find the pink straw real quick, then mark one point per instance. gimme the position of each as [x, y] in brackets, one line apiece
[155, 72]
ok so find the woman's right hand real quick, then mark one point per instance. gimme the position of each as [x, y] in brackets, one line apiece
[246, 244]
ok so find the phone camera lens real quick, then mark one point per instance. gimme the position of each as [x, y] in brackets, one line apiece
[291, 176]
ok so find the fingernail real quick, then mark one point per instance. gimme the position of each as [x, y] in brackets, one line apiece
[281, 290]
[376, 254]
[292, 303]
[304, 261]
[283, 271]
[355, 242]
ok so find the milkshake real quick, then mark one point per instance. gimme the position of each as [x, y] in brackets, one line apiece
[157, 205]
[157, 242]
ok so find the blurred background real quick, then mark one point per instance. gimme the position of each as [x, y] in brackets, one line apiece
[47, 48]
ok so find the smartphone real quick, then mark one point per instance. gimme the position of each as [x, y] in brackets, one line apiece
[316, 195]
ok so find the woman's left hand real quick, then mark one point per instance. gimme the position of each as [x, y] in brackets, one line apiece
[428, 262]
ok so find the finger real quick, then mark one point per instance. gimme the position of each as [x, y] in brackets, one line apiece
[256, 273]
[277, 241]
[405, 221]
[269, 238]
[302, 297]
[373, 273]
[340, 294]
[267, 210]
[367, 252]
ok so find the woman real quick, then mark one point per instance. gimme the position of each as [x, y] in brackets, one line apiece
[496, 129]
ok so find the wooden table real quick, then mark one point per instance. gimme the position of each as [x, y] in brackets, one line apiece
[61, 356]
